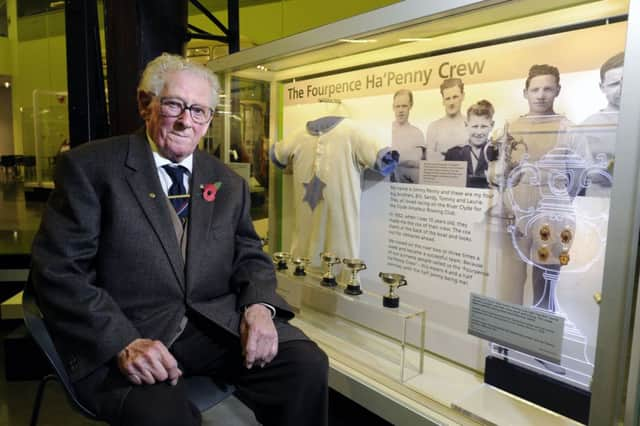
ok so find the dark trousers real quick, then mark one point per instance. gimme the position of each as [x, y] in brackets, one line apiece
[290, 390]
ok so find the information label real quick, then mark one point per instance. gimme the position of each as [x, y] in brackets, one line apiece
[535, 332]
[443, 173]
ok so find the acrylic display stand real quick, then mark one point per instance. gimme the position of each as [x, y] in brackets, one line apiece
[368, 335]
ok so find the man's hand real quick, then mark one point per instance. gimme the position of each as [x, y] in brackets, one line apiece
[258, 336]
[148, 361]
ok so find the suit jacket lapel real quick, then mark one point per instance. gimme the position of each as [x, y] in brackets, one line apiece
[201, 212]
[145, 185]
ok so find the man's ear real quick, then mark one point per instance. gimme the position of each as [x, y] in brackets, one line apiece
[558, 92]
[144, 104]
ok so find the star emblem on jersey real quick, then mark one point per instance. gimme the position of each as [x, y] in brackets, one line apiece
[313, 191]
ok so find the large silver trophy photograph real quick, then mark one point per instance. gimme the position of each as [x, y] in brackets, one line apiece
[543, 231]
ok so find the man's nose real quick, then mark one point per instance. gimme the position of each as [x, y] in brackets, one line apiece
[185, 118]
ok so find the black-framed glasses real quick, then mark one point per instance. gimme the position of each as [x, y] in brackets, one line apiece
[174, 107]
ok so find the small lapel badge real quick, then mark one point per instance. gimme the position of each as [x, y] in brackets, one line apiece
[152, 195]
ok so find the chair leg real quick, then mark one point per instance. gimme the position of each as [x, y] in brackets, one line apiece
[39, 394]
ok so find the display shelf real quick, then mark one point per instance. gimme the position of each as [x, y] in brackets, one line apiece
[374, 347]
[489, 405]
[444, 394]
[361, 320]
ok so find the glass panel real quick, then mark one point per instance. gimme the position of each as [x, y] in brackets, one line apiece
[40, 128]
[356, 328]
[4, 25]
[42, 94]
[51, 131]
[506, 158]
[246, 113]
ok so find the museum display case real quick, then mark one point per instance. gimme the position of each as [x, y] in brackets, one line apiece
[468, 149]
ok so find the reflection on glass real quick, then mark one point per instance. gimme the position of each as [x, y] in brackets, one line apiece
[50, 125]
[4, 27]
[245, 111]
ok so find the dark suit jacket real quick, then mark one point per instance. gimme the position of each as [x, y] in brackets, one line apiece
[107, 266]
[475, 178]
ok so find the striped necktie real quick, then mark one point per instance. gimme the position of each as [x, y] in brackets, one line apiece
[180, 204]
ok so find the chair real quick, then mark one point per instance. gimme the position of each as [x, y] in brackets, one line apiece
[9, 167]
[18, 168]
[29, 167]
[202, 391]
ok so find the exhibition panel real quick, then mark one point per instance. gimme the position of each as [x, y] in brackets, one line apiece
[448, 188]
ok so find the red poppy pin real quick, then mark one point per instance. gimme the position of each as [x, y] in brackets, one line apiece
[209, 191]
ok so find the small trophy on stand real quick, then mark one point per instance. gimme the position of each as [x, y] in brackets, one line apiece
[391, 299]
[280, 259]
[301, 263]
[353, 285]
[329, 259]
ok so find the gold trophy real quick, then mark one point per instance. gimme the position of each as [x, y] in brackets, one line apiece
[301, 263]
[353, 285]
[391, 299]
[329, 259]
[280, 259]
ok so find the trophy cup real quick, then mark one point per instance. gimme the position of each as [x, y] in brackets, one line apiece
[353, 285]
[280, 259]
[391, 299]
[300, 263]
[329, 259]
[499, 169]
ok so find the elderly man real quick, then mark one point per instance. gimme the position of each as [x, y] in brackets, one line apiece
[450, 130]
[147, 269]
[407, 139]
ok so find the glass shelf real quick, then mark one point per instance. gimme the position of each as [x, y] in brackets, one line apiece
[388, 340]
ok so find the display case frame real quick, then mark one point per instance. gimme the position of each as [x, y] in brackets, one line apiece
[615, 381]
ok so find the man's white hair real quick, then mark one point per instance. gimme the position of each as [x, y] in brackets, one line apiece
[155, 74]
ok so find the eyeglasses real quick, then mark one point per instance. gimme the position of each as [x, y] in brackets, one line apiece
[174, 107]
